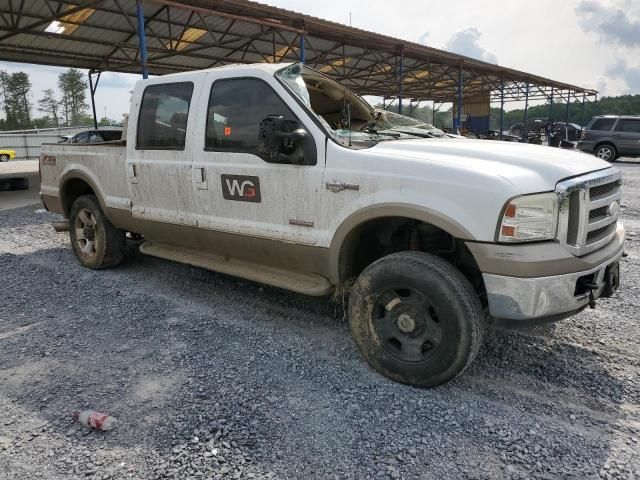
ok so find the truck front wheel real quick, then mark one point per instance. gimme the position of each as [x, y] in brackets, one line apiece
[416, 318]
[96, 242]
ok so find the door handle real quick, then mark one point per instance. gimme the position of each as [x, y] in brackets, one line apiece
[132, 172]
[199, 178]
[337, 186]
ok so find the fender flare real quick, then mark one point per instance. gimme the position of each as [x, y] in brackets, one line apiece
[413, 212]
[80, 175]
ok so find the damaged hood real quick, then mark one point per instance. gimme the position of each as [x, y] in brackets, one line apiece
[530, 168]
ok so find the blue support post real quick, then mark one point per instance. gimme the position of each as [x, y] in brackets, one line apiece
[550, 118]
[302, 54]
[458, 125]
[142, 38]
[525, 136]
[501, 108]
[401, 79]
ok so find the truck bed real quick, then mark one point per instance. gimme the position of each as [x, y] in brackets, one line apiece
[101, 164]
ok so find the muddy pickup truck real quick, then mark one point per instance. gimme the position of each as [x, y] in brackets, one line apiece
[278, 174]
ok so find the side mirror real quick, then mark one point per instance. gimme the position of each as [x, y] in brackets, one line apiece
[280, 141]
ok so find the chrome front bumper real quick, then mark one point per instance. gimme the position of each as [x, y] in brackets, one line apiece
[514, 298]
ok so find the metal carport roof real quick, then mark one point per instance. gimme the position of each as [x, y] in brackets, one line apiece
[102, 35]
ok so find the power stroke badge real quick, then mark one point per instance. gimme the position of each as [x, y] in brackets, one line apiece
[241, 188]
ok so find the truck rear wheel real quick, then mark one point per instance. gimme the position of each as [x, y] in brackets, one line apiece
[96, 242]
[416, 319]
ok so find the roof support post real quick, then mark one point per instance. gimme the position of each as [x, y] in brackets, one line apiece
[93, 89]
[302, 53]
[142, 38]
[584, 98]
[566, 119]
[550, 119]
[595, 105]
[501, 108]
[458, 125]
[401, 80]
[525, 136]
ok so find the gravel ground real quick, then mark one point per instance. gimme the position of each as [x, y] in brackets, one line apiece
[212, 377]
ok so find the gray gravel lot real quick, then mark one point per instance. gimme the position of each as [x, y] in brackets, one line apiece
[213, 377]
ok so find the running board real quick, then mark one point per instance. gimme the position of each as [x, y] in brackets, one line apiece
[308, 284]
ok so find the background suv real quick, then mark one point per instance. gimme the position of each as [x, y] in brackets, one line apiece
[611, 136]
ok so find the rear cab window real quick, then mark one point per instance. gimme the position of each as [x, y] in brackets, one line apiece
[164, 111]
[603, 124]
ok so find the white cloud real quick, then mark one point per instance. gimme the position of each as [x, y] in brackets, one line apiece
[611, 21]
[629, 74]
[466, 42]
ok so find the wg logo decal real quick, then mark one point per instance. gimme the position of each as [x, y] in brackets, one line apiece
[241, 188]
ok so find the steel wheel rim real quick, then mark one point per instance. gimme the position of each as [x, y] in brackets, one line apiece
[4, 158]
[85, 232]
[407, 325]
[605, 153]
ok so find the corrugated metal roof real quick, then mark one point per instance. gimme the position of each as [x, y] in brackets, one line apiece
[102, 35]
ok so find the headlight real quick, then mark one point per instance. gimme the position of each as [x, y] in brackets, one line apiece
[529, 218]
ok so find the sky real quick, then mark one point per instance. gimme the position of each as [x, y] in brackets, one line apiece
[592, 43]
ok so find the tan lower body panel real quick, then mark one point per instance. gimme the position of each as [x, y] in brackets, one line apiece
[306, 283]
[254, 250]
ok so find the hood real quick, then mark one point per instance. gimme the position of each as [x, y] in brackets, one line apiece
[530, 168]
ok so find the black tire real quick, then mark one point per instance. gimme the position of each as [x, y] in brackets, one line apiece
[416, 319]
[9, 184]
[96, 242]
[4, 158]
[606, 152]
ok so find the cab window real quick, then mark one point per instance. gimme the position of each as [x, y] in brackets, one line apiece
[236, 109]
[162, 123]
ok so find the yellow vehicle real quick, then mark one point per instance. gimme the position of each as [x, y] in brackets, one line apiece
[6, 155]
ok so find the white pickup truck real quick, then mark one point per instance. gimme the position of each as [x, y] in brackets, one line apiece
[278, 174]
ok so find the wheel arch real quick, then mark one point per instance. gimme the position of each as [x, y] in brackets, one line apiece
[344, 240]
[75, 183]
[607, 141]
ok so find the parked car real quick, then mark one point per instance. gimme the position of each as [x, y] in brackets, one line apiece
[94, 136]
[6, 155]
[538, 126]
[280, 175]
[495, 135]
[611, 136]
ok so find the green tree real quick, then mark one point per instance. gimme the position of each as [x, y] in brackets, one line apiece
[73, 86]
[50, 105]
[15, 89]
[108, 122]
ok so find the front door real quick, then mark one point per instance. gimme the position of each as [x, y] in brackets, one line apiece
[159, 161]
[253, 205]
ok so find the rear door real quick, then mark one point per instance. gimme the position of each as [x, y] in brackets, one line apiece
[159, 157]
[627, 136]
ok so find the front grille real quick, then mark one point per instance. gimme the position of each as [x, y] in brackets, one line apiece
[600, 191]
[594, 235]
[598, 213]
[589, 210]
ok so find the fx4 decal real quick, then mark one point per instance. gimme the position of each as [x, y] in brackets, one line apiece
[241, 188]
